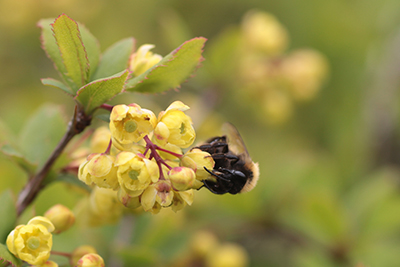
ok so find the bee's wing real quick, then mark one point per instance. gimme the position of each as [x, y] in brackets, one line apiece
[235, 141]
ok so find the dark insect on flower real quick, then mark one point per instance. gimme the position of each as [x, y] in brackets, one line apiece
[234, 171]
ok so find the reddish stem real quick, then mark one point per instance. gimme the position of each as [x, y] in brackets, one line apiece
[107, 107]
[108, 147]
[59, 253]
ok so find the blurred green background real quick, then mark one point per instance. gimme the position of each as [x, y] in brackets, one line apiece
[328, 193]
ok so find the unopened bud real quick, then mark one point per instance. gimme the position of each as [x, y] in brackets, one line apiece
[79, 252]
[91, 260]
[61, 217]
[182, 178]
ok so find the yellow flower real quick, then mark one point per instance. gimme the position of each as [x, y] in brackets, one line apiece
[176, 127]
[32, 242]
[181, 199]
[91, 260]
[135, 172]
[143, 59]
[79, 252]
[61, 217]
[129, 124]
[182, 178]
[99, 169]
[197, 159]
[264, 33]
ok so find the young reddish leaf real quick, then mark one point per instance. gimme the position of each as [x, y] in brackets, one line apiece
[50, 46]
[57, 84]
[172, 70]
[73, 53]
[115, 59]
[96, 93]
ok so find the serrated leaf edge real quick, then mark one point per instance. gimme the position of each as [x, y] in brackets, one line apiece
[87, 68]
[172, 54]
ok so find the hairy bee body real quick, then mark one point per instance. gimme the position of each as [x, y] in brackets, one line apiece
[234, 171]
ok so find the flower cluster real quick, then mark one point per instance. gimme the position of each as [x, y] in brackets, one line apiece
[148, 167]
[269, 75]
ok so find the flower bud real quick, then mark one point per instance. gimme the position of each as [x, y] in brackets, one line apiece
[228, 255]
[165, 193]
[99, 169]
[61, 217]
[143, 59]
[182, 178]
[91, 260]
[197, 159]
[79, 252]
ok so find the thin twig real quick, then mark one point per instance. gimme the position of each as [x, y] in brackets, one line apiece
[77, 124]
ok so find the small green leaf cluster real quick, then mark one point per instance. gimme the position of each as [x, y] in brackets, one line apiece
[92, 78]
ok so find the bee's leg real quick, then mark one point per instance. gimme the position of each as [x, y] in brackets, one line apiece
[211, 188]
[216, 175]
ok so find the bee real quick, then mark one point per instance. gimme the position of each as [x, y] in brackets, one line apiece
[234, 171]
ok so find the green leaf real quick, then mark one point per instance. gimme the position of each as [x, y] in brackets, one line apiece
[8, 214]
[96, 93]
[6, 256]
[42, 133]
[172, 70]
[92, 48]
[104, 117]
[115, 59]
[73, 53]
[16, 156]
[50, 46]
[57, 84]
